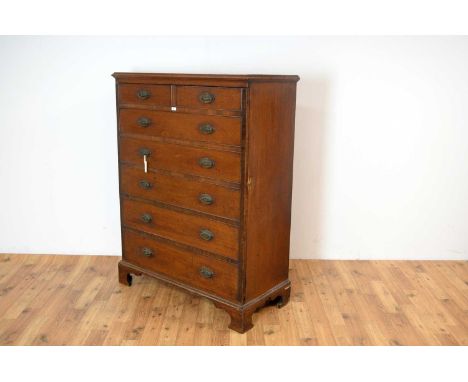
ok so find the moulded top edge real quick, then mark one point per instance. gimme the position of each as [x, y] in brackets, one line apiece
[123, 76]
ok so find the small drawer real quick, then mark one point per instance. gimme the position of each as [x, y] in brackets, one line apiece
[141, 250]
[152, 95]
[215, 129]
[216, 164]
[215, 276]
[196, 231]
[215, 98]
[180, 191]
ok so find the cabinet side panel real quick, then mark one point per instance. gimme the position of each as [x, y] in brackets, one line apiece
[117, 101]
[269, 185]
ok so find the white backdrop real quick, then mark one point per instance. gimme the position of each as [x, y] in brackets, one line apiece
[381, 156]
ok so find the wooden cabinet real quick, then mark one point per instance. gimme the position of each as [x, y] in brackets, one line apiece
[205, 168]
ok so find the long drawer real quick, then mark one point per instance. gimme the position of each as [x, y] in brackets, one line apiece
[217, 164]
[199, 271]
[181, 191]
[194, 127]
[196, 231]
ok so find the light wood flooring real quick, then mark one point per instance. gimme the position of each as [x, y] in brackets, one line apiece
[77, 300]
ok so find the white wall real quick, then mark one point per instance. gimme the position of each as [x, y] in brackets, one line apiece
[381, 166]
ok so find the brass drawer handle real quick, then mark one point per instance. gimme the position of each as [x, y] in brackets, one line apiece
[206, 128]
[145, 184]
[206, 199]
[206, 97]
[146, 218]
[206, 162]
[147, 252]
[144, 122]
[143, 94]
[144, 152]
[206, 234]
[206, 272]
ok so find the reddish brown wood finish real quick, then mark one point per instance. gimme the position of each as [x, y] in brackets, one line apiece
[179, 190]
[269, 185]
[223, 80]
[224, 98]
[181, 227]
[227, 130]
[180, 264]
[165, 258]
[223, 283]
[159, 95]
[181, 159]
[252, 149]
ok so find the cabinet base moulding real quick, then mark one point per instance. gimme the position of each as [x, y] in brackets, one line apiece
[241, 314]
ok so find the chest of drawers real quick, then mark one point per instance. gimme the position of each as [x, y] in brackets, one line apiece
[205, 175]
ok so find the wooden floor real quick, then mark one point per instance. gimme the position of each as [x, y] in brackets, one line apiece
[76, 300]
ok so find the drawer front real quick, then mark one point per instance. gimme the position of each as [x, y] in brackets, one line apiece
[215, 129]
[180, 191]
[209, 163]
[215, 276]
[139, 94]
[200, 97]
[201, 272]
[195, 231]
[159, 257]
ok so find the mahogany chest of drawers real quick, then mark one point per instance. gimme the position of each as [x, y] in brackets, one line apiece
[205, 169]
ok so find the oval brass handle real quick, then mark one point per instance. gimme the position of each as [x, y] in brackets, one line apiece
[144, 152]
[206, 234]
[146, 218]
[143, 94]
[147, 252]
[206, 199]
[206, 97]
[145, 184]
[206, 128]
[144, 122]
[206, 162]
[206, 272]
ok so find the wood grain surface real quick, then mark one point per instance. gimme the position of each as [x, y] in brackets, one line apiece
[183, 228]
[158, 95]
[224, 98]
[225, 130]
[77, 300]
[181, 159]
[180, 191]
[267, 215]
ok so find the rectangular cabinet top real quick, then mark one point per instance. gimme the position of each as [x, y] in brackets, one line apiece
[201, 79]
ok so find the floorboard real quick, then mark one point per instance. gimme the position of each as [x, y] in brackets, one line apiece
[77, 300]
